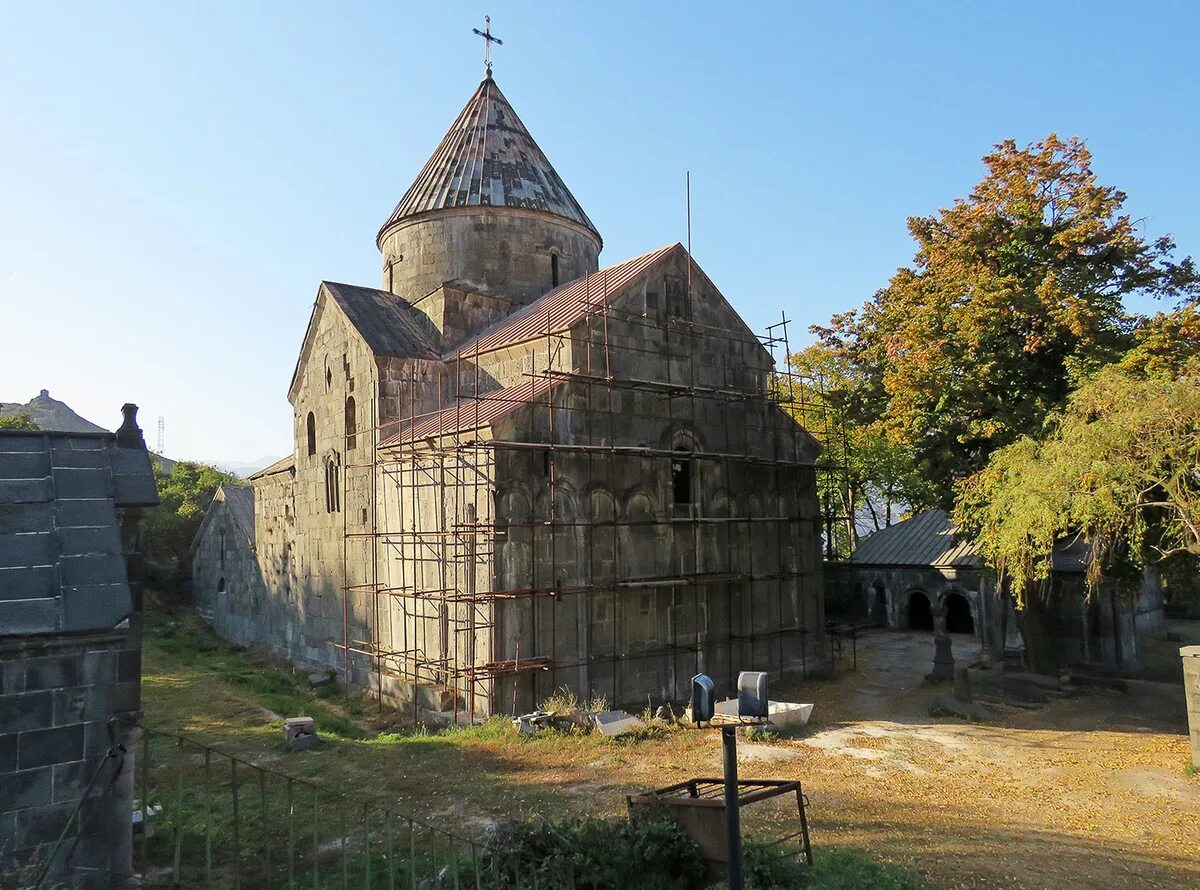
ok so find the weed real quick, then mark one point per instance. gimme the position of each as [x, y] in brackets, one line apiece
[1191, 770]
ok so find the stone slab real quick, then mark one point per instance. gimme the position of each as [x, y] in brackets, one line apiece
[615, 723]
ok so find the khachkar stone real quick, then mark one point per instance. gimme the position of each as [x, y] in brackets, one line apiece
[1191, 683]
[943, 652]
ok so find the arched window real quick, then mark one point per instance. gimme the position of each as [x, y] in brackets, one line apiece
[221, 586]
[333, 493]
[681, 477]
[312, 434]
[554, 270]
[351, 424]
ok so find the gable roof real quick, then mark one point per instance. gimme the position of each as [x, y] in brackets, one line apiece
[284, 463]
[488, 158]
[926, 539]
[61, 563]
[931, 539]
[560, 309]
[239, 501]
[387, 323]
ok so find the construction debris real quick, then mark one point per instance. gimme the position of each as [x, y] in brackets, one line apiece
[780, 714]
[615, 723]
[535, 721]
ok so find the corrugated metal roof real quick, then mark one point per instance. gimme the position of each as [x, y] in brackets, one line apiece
[559, 309]
[239, 500]
[927, 539]
[388, 324]
[488, 158]
[473, 414]
[930, 539]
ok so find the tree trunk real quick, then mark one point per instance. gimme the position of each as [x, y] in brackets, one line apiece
[1042, 628]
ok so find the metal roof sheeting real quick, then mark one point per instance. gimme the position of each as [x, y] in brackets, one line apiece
[471, 414]
[927, 539]
[488, 158]
[931, 539]
[561, 308]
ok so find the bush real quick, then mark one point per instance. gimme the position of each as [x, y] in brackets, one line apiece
[593, 853]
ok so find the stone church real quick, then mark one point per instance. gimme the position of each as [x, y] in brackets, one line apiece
[515, 471]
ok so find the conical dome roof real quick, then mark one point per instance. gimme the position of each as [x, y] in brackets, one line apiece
[489, 158]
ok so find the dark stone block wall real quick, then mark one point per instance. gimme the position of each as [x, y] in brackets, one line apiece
[57, 701]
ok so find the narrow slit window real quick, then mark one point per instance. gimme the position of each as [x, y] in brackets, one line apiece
[554, 270]
[681, 479]
[351, 425]
[311, 425]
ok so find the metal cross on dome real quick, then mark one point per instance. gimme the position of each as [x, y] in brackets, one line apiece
[488, 40]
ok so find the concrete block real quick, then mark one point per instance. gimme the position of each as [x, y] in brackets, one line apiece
[29, 549]
[95, 607]
[76, 482]
[44, 747]
[86, 460]
[33, 710]
[41, 825]
[27, 788]
[28, 582]
[96, 739]
[52, 672]
[71, 779]
[27, 465]
[17, 518]
[300, 733]
[78, 571]
[80, 704]
[91, 512]
[8, 750]
[84, 541]
[20, 617]
[26, 491]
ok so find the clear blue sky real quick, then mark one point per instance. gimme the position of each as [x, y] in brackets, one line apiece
[177, 177]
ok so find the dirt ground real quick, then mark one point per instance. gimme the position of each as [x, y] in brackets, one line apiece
[1087, 791]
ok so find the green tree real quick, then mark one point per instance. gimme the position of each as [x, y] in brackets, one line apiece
[184, 495]
[1119, 467]
[1015, 292]
[18, 420]
[873, 476]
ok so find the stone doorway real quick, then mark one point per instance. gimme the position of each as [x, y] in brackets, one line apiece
[920, 612]
[958, 614]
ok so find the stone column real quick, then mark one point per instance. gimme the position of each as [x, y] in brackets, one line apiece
[943, 652]
[1191, 685]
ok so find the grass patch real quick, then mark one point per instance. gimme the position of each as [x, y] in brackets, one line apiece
[198, 659]
[1191, 770]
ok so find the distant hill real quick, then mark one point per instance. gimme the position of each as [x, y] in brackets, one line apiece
[243, 468]
[51, 414]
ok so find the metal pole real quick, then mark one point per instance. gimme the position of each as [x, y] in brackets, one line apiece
[733, 828]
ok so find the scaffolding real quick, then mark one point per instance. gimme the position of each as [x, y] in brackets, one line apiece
[438, 601]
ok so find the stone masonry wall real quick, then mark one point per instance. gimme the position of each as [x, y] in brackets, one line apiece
[57, 697]
[505, 250]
